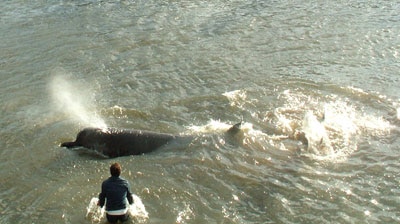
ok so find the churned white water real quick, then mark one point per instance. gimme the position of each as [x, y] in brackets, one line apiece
[137, 211]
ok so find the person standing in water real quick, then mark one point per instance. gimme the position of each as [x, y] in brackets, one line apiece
[114, 192]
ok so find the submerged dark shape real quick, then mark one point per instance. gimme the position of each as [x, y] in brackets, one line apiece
[113, 142]
[234, 129]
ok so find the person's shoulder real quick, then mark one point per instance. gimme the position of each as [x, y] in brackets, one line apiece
[107, 180]
[124, 180]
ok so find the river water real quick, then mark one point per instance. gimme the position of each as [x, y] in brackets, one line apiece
[329, 69]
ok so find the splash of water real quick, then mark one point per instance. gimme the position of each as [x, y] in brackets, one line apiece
[236, 97]
[398, 113]
[340, 129]
[318, 139]
[94, 212]
[185, 215]
[332, 125]
[214, 126]
[248, 136]
[136, 211]
[71, 99]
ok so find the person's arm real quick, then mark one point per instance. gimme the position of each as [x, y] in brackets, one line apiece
[102, 197]
[129, 197]
[129, 194]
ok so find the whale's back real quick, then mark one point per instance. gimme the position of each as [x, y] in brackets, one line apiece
[135, 142]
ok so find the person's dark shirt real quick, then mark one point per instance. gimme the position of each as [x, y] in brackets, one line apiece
[115, 190]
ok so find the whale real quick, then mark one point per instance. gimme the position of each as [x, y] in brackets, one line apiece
[115, 142]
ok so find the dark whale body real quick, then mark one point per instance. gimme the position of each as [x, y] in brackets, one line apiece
[113, 142]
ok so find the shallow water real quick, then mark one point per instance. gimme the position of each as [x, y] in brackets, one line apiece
[327, 69]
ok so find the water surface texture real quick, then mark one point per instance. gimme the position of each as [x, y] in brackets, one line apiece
[328, 69]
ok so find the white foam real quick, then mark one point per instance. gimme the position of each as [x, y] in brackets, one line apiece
[94, 212]
[318, 139]
[340, 128]
[333, 125]
[136, 211]
[236, 97]
[185, 215]
[213, 126]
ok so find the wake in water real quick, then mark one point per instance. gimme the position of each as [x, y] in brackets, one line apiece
[72, 100]
[137, 211]
[333, 127]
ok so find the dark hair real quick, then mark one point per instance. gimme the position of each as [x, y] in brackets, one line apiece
[115, 169]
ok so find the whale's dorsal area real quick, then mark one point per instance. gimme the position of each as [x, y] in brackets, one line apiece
[113, 142]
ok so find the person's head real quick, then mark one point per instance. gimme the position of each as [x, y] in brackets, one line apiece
[115, 169]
